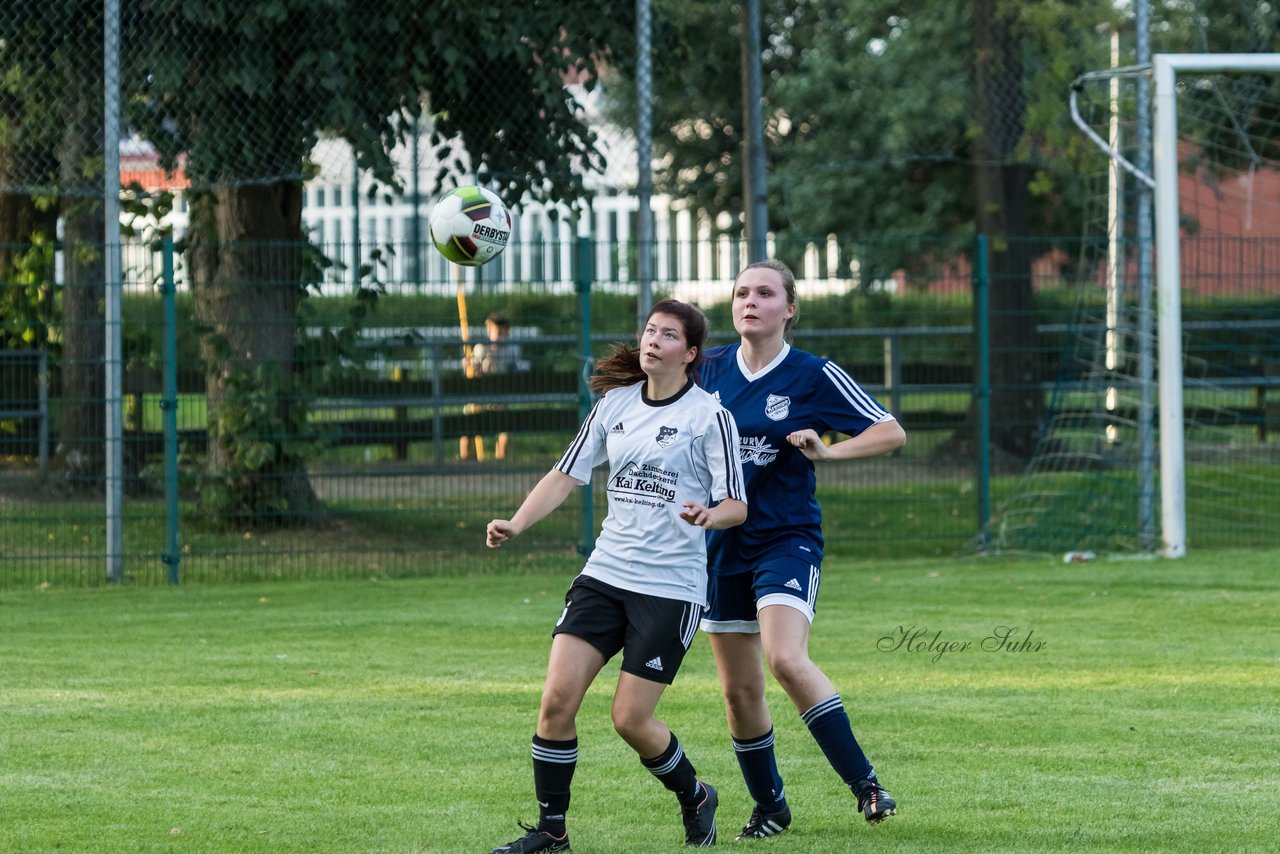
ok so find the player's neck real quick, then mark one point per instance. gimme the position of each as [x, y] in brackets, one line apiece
[758, 354]
[663, 387]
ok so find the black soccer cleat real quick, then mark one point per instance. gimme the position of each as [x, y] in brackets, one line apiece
[873, 800]
[765, 824]
[534, 840]
[700, 820]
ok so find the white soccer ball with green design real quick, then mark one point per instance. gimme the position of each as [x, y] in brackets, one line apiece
[470, 226]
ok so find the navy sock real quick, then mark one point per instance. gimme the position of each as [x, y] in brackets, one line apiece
[675, 771]
[760, 771]
[553, 766]
[829, 724]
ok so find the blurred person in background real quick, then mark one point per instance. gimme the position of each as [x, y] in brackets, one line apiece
[496, 355]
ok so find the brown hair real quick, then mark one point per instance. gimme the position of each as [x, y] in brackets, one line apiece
[622, 366]
[788, 285]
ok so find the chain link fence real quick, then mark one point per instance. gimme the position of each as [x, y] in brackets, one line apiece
[297, 375]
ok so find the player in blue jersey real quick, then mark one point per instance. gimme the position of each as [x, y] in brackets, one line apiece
[674, 473]
[765, 572]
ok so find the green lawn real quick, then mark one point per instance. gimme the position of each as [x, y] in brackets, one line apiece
[395, 715]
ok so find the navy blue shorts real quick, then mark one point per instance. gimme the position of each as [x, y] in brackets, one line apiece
[734, 601]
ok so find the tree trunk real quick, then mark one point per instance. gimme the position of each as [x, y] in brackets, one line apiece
[1017, 404]
[81, 455]
[246, 298]
[82, 417]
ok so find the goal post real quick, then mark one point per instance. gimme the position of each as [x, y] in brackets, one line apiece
[1160, 429]
[1166, 67]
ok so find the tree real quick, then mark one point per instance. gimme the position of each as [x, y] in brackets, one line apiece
[25, 287]
[913, 121]
[51, 163]
[241, 93]
[82, 422]
[906, 120]
[238, 93]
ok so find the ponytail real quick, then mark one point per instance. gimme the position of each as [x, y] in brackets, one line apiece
[620, 368]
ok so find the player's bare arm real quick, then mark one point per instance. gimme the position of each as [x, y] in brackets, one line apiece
[549, 494]
[728, 513]
[875, 441]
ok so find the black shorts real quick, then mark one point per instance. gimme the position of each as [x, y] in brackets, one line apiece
[654, 633]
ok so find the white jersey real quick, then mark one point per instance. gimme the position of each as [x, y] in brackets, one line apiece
[661, 454]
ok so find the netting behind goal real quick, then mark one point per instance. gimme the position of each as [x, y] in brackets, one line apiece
[1084, 489]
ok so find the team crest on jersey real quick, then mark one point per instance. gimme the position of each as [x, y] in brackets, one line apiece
[666, 436]
[756, 449]
[777, 407]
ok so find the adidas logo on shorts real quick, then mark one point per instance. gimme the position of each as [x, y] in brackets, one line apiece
[654, 663]
[792, 585]
[617, 430]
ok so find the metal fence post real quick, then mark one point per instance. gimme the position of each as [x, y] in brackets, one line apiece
[644, 157]
[982, 392]
[437, 393]
[112, 311]
[169, 413]
[582, 283]
[42, 396]
[893, 371]
[355, 225]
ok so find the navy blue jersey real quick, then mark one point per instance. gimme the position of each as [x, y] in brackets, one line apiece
[797, 391]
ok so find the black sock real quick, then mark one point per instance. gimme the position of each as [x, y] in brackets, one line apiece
[553, 766]
[675, 771]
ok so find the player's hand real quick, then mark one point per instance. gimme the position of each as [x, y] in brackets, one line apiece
[696, 514]
[810, 444]
[499, 531]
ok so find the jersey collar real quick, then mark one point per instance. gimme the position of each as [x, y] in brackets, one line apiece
[750, 377]
[688, 384]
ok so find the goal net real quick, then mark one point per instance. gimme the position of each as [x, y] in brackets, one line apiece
[1164, 429]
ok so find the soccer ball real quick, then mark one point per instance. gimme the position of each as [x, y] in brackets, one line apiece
[470, 226]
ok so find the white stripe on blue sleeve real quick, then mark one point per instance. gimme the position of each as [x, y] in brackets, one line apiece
[861, 402]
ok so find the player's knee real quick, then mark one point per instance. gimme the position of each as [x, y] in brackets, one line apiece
[789, 667]
[556, 712]
[628, 723]
[743, 694]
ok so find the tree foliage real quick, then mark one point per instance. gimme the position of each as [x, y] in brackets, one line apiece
[870, 112]
[914, 121]
[237, 94]
[489, 81]
[490, 76]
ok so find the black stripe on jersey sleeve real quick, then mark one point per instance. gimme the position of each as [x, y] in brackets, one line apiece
[730, 455]
[859, 399]
[571, 455]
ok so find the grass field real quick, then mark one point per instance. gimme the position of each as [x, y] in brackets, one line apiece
[395, 715]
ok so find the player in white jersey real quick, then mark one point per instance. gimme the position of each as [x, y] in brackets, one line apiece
[674, 474]
[765, 573]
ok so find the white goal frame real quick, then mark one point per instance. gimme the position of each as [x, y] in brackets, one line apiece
[1166, 66]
